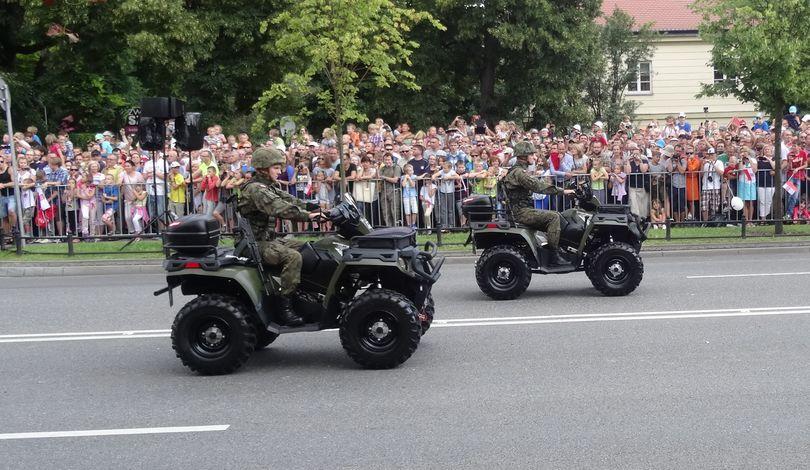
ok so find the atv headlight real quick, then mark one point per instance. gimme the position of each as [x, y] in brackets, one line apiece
[402, 264]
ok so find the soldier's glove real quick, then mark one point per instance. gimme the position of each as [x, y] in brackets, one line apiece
[312, 206]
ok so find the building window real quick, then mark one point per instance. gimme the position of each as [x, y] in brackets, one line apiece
[721, 77]
[643, 81]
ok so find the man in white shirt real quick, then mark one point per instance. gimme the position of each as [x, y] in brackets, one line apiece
[155, 172]
[712, 175]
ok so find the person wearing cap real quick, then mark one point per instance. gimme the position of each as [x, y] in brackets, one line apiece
[683, 124]
[262, 201]
[712, 175]
[177, 193]
[519, 186]
[792, 118]
[760, 124]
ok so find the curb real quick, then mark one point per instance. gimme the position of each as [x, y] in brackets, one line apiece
[120, 267]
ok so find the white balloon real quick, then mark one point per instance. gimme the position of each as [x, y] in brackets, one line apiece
[736, 203]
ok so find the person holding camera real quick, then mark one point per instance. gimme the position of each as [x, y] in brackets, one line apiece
[747, 183]
[712, 172]
[765, 182]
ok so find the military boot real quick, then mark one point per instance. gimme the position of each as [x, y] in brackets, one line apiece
[286, 314]
[555, 258]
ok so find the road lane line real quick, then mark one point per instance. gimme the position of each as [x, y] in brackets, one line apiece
[626, 318]
[87, 333]
[717, 276]
[621, 314]
[113, 432]
[453, 322]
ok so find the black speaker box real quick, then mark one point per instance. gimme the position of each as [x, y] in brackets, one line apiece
[151, 132]
[162, 107]
[188, 133]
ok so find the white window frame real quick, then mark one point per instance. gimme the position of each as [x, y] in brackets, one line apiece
[715, 73]
[638, 90]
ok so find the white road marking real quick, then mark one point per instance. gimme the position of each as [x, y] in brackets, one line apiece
[455, 322]
[112, 432]
[718, 276]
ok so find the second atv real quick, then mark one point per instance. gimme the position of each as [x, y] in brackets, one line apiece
[602, 240]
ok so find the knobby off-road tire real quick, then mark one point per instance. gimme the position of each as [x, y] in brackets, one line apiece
[380, 329]
[426, 316]
[503, 273]
[213, 334]
[615, 269]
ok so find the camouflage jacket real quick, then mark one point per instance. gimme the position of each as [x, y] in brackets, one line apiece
[262, 201]
[519, 186]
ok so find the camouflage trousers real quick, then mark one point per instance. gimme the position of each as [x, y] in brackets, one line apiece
[284, 252]
[547, 221]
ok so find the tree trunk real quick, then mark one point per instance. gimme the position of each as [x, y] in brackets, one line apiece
[487, 77]
[341, 169]
[778, 211]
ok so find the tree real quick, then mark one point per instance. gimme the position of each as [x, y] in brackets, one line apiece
[760, 44]
[343, 43]
[520, 55]
[619, 50]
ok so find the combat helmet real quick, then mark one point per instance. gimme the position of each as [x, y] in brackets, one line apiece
[523, 149]
[265, 158]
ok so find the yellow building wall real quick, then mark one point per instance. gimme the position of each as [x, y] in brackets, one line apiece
[679, 66]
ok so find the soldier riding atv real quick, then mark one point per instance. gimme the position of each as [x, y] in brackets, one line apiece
[372, 285]
[602, 240]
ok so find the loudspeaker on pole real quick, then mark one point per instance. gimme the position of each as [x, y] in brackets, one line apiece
[188, 133]
[151, 132]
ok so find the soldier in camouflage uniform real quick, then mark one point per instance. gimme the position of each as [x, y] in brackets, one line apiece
[518, 186]
[261, 202]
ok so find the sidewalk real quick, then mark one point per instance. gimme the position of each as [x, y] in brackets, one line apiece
[149, 266]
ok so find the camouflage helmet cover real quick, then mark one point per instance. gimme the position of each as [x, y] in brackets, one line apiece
[523, 149]
[265, 158]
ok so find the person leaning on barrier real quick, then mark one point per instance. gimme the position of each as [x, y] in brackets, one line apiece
[519, 186]
[261, 202]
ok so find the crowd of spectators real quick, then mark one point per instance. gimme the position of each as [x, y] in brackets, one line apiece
[672, 170]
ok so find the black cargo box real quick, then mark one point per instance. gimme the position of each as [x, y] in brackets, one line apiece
[391, 238]
[621, 209]
[478, 208]
[193, 234]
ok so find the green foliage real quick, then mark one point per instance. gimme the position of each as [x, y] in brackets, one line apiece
[762, 47]
[340, 44]
[614, 65]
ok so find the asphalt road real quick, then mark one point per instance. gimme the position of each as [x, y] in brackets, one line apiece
[686, 372]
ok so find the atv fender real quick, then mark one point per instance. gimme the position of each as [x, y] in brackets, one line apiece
[514, 236]
[242, 282]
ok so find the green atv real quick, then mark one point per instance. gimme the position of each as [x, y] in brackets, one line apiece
[372, 285]
[602, 240]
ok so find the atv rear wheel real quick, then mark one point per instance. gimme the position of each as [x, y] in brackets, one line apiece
[615, 269]
[213, 334]
[503, 273]
[381, 329]
[426, 315]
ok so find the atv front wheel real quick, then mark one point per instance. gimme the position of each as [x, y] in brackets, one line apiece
[615, 269]
[213, 334]
[381, 329]
[502, 273]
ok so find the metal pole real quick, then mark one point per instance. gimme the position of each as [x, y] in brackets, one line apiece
[5, 103]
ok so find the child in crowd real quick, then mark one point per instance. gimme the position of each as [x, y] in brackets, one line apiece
[801, 213]
[428, 197]
[408, 183]
[617, 190]
[657, 215]
[598, 177]
[110, 198]
[28, 198]
[140, 216]
[210, 188]
[72, 215]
